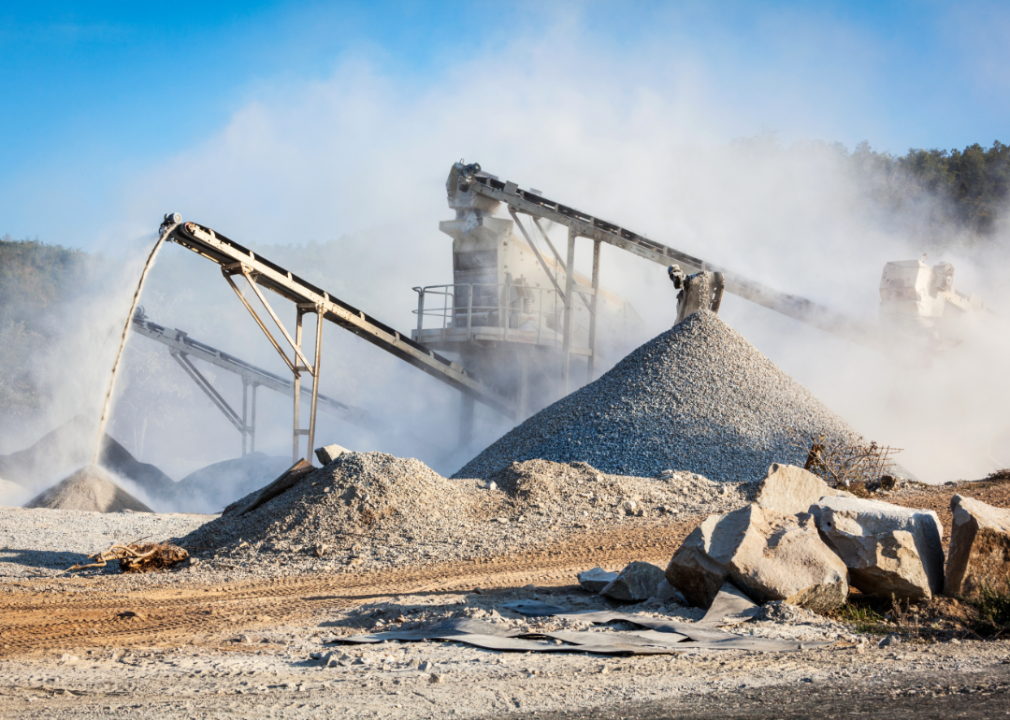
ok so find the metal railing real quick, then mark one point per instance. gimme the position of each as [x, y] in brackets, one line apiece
[509, 307]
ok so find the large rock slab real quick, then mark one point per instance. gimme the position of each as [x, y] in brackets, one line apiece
[766, 554]
[789, 489]
[979, 548]
[638, 581]
[889, 550]
[693, 570]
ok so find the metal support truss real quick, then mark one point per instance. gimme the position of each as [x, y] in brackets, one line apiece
[297, 362]
[582, 224]
[184, 349]
[260, 272]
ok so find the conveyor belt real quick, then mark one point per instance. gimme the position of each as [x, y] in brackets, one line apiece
[585, 225]
[181, 342]
[232, 258]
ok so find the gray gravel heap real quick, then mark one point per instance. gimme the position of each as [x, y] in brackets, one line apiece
[90, 489]
[697, 398]
[374, 511]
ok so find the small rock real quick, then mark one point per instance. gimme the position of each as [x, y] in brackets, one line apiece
[638, 581]
[596, 579]
[329, 453]
[425, 666]
[434, 678]
[666, 592]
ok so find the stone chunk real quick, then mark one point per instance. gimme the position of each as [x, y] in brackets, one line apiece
[766, 554]
[665, 592]
[596, 579]
[979, 548]
[637, 582]
[693, 570]
[329, 453]
[730, 607]
[889, 550]
[789, 489]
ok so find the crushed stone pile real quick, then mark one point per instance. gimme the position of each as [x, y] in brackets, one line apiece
[90, 489]
[375, 511]
[12, 494]
[698, 397]
[70, 446]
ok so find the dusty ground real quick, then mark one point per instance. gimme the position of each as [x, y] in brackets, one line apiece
[190, 644]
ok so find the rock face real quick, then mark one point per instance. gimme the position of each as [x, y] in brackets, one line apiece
[979, 548]
[596, 579]
[789, 489]
[766, 554]
[889, 550]
[637, 582]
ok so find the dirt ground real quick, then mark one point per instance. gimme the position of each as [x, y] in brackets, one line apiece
[82, 647]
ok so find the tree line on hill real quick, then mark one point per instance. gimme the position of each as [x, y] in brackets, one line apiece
[964, 190]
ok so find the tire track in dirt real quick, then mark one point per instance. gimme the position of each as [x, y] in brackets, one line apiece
[181, 610]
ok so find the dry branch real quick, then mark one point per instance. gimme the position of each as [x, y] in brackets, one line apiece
[137, 558]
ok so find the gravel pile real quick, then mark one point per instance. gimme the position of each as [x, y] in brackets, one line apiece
[90, 489]
[72, 445]
[12, 493]
[698, 398]
[373, 510]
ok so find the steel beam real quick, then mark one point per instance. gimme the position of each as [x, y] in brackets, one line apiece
[591, 360]
[585, 225]
[569, 307]
[230, 254]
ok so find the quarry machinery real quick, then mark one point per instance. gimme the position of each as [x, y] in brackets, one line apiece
[914, 296]
[236, 260]
[918, 304]
[700, 291]
[184, 349]
[476, 195]
[503, 314]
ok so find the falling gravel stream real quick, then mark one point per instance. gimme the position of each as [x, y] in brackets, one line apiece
[104, 419]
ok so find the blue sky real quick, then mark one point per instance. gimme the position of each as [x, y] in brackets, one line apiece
[98, 95]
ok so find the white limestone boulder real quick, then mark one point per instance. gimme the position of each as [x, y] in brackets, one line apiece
[766, 554]
[979, 553]
[889, 550]
[789, 489]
